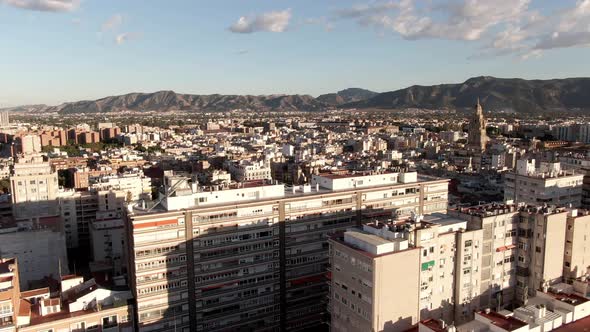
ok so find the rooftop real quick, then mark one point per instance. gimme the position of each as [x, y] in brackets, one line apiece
[569, 298]
[503, 322]
[434, 324]
[495, 209]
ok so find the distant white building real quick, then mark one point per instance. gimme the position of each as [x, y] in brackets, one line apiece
[547, 184]
[246, 170]
[350, 181]
[449, 136]
[4, 120]
[134, 185]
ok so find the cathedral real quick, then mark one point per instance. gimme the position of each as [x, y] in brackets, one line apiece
[477, 130]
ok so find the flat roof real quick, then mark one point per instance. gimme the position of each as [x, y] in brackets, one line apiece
[442, 219]
[354, 175]
[571, 299]
[368, 238]
[505, 322]
[290, 195]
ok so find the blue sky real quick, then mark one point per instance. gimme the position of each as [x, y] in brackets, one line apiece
[65, 50]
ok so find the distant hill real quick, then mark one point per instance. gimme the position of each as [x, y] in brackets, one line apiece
[25, 108]
[346, 96]
[494, 93]
[170, 100]
[518, 95]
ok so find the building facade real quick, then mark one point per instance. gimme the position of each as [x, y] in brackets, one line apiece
[548, 184]
[257, 263]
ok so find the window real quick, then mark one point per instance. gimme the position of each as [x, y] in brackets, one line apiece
[5, 308]
[538, 249]
[109, 321]
[468, 243]
[80, 326]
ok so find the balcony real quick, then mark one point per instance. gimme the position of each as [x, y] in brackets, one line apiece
[233, 287]
[522, 271]
[237, 242]
[237, 254]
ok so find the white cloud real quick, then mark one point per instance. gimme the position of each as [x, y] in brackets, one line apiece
[112, 23]
[531, 54]
[125, 37]
[44, 5]
[321, 21]
[275, 21]
[465, 20]
[564, 40]
[501, 27]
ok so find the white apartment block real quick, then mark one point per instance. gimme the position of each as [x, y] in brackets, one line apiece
[135, 185]
[246, 170]
[486, 257]
[34, 189]
[450, 267]
[547, 184]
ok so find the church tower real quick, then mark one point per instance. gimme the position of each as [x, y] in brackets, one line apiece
[477, 130]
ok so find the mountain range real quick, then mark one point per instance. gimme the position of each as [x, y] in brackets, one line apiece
[519, 95]
[346, 96]
[523, 96]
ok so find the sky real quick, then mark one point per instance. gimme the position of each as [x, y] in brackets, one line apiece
[54, 51]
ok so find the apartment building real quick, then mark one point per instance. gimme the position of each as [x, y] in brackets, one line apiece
[33, 185]
[577, 252]
[27, 144]
[499, 224]
[133, 184]
[78, 305]
[40, 248]
[9, 294]
[107, 193]
[547, 184]
[107, 234]
[246, 170]
[524, 250]
[581, 164]
[255, 255]
[78, 210]
[365, 266]
[450, 267]
[541, 249]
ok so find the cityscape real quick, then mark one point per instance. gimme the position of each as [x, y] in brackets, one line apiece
[461, 204]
